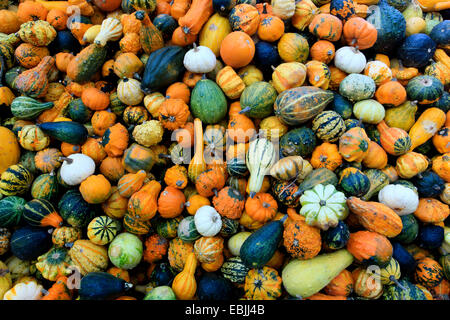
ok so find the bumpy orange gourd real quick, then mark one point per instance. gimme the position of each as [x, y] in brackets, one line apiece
[195, 202]
[229, 203]
[326, 156]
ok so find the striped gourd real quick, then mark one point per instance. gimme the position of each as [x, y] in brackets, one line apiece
[54, 263]
[257, 100]
[152, 102]
[7, 52]
[102, 230]
[298, 105]
[134, 225]
[45, 186]
[129, 6]
[88, 257]
[15, 180]
[150, 37]
[214, 31]
[11, 211]
[230, 83]
[131, 183]
[234, 270]
[260, 157]
[28, 108]
[390, 274]
[328, 126]
[40, 212]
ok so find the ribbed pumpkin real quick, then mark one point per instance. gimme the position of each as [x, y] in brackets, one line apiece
[102, 230]
[207, 249]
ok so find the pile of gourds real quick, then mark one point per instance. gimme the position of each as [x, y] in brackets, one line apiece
[224, 149]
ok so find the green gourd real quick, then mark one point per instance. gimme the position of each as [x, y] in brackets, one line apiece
[318, 176]
[378, 180]
[66, 131]
[102, 286]
[261, 245]
[208, 102]
[27, 108]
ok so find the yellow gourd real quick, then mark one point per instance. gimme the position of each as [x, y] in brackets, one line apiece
[303, 278]
[429, 122]
[402, 117]
[197, 164]
[184, 285]
[5, 279]
[9, 149]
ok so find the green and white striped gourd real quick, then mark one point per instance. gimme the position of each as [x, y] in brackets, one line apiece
[260, 158]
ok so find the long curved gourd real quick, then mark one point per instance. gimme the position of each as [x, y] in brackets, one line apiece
[197, 164]
[429, 122]
[260, 158]
[184, 285]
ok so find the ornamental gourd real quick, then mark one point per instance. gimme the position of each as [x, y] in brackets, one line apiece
[323, 206]
[76, 168]
[111, 30]
[208, 221]
[350, 60]
[200, 59]
[401, 199]
[259, 159]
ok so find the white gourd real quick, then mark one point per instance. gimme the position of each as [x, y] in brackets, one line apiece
[399, 198]
[76, 167]
[111, 30]
[207, 221]
[350, 60]
[29, 290]
[200, 59]
[129, 91]
[260, 158]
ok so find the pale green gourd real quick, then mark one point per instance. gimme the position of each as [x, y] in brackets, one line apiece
[259, 159]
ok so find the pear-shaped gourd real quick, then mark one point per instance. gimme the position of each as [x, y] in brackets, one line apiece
[110, 30]
[402, 117]
[184, 285]
[303, 278]
[259, 159]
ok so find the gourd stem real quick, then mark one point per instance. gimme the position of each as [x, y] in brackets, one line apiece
[69, 160]
[69, 245]
[187, 204]
[215, 191]
[246, 109]
[137, 76]
[392, 278]
[50, 231]
[252, 194]
[128, 285]
[195, 47]
[273, 68]
[164, 156]
[44, 292]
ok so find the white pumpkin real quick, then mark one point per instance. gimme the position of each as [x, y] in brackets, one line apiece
[207, 221]
[399, 198]
[129, 91]
[350, 60]
[200, 59]
[369, 111]
[284, 9]
[111, 29]
[76, 167]
[29, 290]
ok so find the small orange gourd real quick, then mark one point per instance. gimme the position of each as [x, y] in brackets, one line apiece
[131, 183]
[143, 203]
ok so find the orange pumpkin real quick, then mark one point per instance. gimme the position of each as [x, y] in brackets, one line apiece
[178, 90]
[95, 99]
[441, 165]
[57, 19]
[173, 113]
[31, 11]
[112, 168]
[376, 158]
[237, 49]
[171, 202]
[341, 285]
[359, 33]
[270, 28]
[441, 140]
[95, 189]
[102, 120]
[369, 247]
[326, 26]
[262, 207]
[92, 147]
[323, 51]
